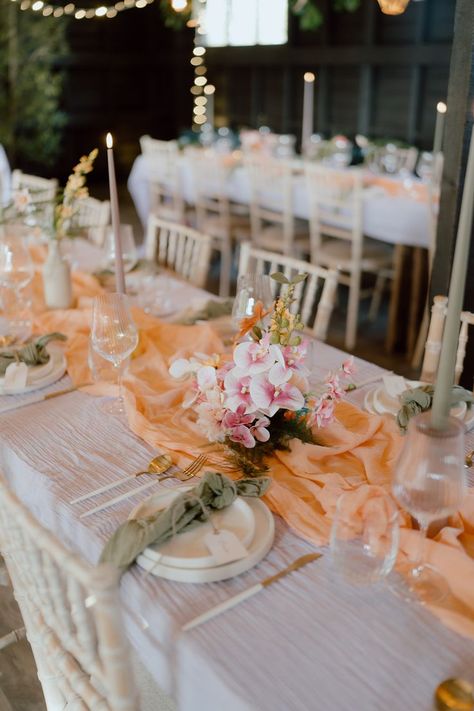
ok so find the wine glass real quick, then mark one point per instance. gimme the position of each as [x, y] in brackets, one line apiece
[129, 249]
[114, 336]
[430, 484]
[16, 266]
[364, 536]
[251, 289]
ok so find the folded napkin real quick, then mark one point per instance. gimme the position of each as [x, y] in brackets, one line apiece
[214, 491]
[420, 399]
[210, 310]
[33, 353]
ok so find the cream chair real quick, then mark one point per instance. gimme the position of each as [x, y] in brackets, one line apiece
[435, 338]
[40, 189]
[180, 249]
[166, 199]
[215, 214]
[337, 239]
[273, 224]
[71, 614]
[314, 298]
[92, 217]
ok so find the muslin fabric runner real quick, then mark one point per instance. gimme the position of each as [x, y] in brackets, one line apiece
[359, 449]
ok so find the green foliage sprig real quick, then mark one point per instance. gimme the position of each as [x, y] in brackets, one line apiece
[310, 15]
[421, 399]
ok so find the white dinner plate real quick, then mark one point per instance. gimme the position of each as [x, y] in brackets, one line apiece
[257, 550]
[188, 549]
[378, 402]
[40, 376]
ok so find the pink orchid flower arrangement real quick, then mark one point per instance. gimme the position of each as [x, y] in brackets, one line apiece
[260, 400]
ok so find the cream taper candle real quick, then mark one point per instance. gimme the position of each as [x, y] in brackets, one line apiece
[308, 111]
[114, 208]
[447, 361]
[441, 109]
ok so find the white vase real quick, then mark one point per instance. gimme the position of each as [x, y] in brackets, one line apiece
[57, 278]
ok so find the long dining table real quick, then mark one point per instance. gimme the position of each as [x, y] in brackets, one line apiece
[309, 643]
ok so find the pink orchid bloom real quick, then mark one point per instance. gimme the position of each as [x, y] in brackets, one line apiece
[291, 360]
[242, 435]
[258, 357]
[232, 419]
[259, 430]
[270, 398]
[206, 378]
[237, 391]
[335, 391]
[324, 412]
[348, 366]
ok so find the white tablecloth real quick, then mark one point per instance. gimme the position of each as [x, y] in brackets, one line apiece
[399, 219]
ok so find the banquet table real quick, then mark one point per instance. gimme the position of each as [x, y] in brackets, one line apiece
[309, 643]
[394, 214]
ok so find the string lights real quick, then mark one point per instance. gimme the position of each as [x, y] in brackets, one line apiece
[80, 13]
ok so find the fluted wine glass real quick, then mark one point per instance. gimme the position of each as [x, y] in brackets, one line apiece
[430, 484]
[251, 290]
[16, 272]
[114, 337]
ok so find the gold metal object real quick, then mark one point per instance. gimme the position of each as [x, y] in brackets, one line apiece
[468, 461]
[163, 462]
[6, 341]
[454, 695]
[298, 563]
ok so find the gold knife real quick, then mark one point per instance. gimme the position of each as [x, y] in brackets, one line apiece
[231, 602]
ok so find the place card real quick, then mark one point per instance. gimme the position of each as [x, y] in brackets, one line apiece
[224, 546]
[16, 376]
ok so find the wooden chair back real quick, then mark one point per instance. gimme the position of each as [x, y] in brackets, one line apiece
[335, 208]
[71, 614]
[435, 338]
[314, 297]
[180, 249]
[40, 189]
[209, 182]
[165, 188]
[91, 216]
[271, 198]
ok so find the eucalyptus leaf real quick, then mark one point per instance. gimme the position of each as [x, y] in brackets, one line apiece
[299, 278]
[279, 277]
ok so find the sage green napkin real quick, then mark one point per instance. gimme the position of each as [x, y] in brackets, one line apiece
[212, 309]
[33, 353]
[214, 491]
[420, 399]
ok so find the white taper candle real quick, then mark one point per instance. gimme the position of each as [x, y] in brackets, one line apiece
[441, 109]
[114, 208]
[447, 361]
[308, 111]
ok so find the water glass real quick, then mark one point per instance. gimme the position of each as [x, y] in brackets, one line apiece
[430, 484]
[114, 336]
[251, 289]
[129, 249]
[364, 536]
[16, 316]
[16, 266]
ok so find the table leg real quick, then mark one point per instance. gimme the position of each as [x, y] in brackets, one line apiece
[398, 255]
[415, 298]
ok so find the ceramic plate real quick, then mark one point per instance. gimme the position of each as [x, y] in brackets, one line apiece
[188, 549]
[257, 550]
[42, 375]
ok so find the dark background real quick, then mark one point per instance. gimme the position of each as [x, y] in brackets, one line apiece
[377, 75]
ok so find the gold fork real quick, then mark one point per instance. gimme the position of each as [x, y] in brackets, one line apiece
[468, 460]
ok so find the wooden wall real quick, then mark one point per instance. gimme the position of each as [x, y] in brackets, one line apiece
[377, 75]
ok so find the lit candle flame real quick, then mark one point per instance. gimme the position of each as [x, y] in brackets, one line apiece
[441, 107]
[109, 140]
[309, 76]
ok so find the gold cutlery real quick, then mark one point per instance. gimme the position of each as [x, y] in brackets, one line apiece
[158, 464]
[468, 460]
[454, 695]
[182, 475]
[232, 601]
